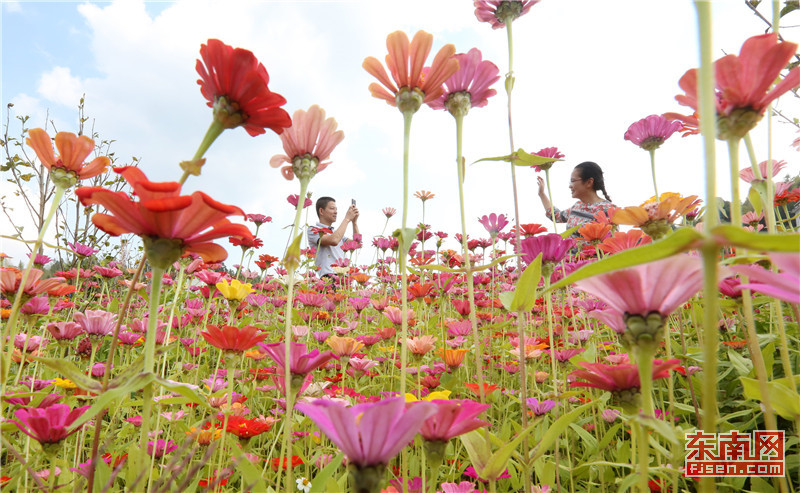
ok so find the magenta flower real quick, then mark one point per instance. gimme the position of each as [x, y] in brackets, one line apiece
[552, 247]
[550, 152]
[259, 219]
[369, 434]
[660, 286]
[494, 223]
[498, 12]
[307, 143]
[82, 250]
[452, 418]
[462, 487]
[40, 305]
[40, 259]
[650, 132]
[96, 322]
[48, 425]
[160, 447]
[473, 78]
[540, 408]
[784, 285]
[301, 362]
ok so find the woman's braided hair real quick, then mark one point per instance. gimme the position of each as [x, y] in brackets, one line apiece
[589, 169]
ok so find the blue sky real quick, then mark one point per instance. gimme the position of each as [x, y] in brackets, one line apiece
[585, 71]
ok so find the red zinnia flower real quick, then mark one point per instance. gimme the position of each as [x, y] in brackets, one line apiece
[487, 388]
[246, 428]
[616, 378]
[284, 462]
[235, 85]
[233, 339]
[170, 224]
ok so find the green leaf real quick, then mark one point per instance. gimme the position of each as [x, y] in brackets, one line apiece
[742, 365]
[318, 484]
[251, 475]
[783, 399]
[506, 298]
[755, 200]
[120, 393]
[527, 286]
[521, 158]
[557, 428]
[70, 371]
[292, 259]
[566, 234]
[491, 465]
[406, 237]
[731, 235]
[183, 389]
[678, 241]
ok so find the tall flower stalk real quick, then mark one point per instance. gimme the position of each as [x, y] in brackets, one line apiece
[308, 144]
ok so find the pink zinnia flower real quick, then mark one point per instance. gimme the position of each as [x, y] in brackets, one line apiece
[622, 240]
[462, 487]
[307, 144]
[494, 223]
[292, 199]
[96, 322]
[659, 286]
[10, 280]
[369, 434]
[389, 212]
[64, 331]
[552, 247]
[48, 425]
[650, 132]
[301, 362]
[452, 418]
[747, 175]
[259, 219]
[743, 83]
[540, 408]
[473, 78]
[82, 250]
[549, 152]
[498, 12]
[784, 285]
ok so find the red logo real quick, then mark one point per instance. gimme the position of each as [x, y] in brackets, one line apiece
[760, 453]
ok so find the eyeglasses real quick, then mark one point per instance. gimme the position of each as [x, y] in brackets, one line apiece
[573, 181]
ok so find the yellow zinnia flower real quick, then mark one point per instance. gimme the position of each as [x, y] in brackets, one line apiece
[64, 383]
[439, 394]
[235, 290]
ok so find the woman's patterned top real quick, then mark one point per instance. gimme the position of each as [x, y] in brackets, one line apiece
[580, 213]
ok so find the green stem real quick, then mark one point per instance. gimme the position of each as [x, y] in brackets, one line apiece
[550, 196]
[214, 131]
[149, 361]
[287, 340]
[736, 202]
[711, 220]
[10, 330]
[653, 170]
[467, 262]
[509, 88]
[403, 251]
[768, 196]
[643, 456]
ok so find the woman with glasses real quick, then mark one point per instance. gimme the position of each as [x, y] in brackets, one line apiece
[585, 182]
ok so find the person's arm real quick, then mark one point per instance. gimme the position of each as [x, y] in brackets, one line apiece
[549, 211]
[335, 237]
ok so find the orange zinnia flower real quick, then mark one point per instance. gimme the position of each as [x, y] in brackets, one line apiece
[420, 345]
[656, 215]
[594, 232]
[73, 151]
[488, 388]
[623, 241]
[453, 357]
[424, 195]
[233, 339]
[406, 61]
[343, 346]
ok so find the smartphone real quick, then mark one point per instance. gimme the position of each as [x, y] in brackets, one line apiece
[353, 201]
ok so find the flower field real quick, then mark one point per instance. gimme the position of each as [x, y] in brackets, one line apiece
[650, 348]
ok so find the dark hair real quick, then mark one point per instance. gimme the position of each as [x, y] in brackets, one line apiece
[588, 169]
[323, 202]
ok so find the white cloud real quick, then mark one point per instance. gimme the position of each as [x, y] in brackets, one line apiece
[60, 86]
[580, 83]
[12, 6]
